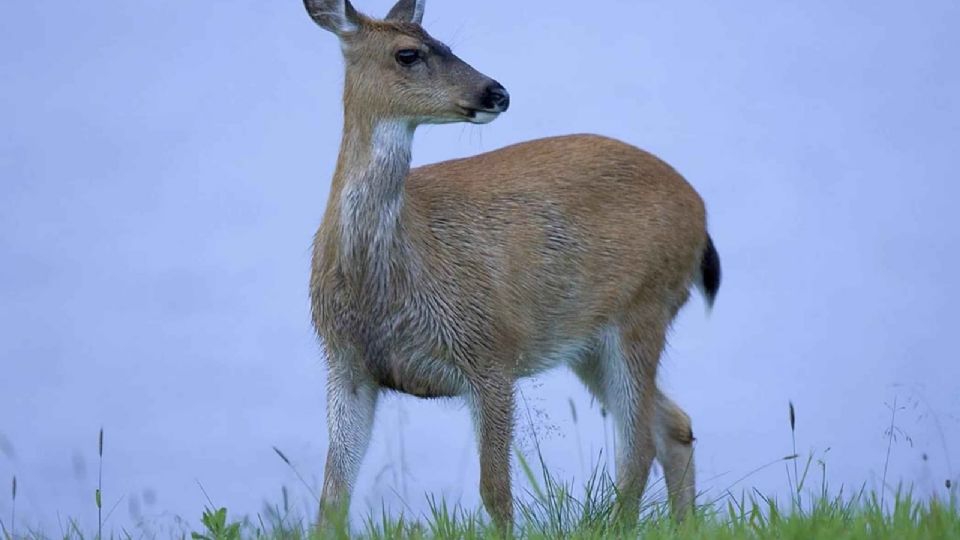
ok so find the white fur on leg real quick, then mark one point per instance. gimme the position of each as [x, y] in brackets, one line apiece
[350, 414]
[616, 382]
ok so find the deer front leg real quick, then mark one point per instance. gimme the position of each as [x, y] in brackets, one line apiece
[351, 403]
[492, 405]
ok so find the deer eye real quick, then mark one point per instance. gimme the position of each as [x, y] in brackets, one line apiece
[407, 57]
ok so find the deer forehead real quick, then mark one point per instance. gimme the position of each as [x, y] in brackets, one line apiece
[391, 36]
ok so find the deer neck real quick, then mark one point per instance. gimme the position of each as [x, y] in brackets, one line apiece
[368, 190]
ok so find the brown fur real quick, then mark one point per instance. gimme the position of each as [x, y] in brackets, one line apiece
[456, 279]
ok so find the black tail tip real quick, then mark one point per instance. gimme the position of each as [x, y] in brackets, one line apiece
[710, 271]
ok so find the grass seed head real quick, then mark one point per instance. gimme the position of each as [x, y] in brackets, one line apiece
[282, 456]
[793, 418]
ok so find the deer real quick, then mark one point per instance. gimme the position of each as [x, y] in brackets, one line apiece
[456, 279]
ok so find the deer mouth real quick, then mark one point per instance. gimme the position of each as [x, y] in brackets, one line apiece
[480, 116]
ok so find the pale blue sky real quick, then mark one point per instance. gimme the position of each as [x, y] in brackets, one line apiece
[163, 166]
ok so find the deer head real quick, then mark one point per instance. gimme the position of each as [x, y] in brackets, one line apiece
[395, 70]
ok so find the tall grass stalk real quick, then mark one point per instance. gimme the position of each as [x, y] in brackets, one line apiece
[297, 472]
[576, 431]
[886, 460]
[13, 510]
[793, 440]
[99, 493]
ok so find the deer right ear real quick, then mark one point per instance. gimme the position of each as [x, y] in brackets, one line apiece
[407, 11]
[337, 16]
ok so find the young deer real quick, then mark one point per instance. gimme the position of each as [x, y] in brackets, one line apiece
[456, 279]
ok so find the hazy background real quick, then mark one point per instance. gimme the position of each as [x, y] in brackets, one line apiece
[163, 166]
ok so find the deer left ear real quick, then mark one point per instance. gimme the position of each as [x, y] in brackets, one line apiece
[337, 16]
[407, 11]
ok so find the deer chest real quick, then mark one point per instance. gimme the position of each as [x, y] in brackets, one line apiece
[395, 331]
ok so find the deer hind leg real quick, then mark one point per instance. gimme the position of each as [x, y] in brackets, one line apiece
[622, 375]
[351, 404]
[674, 441]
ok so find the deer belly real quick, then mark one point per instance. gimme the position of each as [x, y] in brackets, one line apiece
[419, 376]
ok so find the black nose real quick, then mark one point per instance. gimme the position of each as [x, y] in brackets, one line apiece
[495, 97]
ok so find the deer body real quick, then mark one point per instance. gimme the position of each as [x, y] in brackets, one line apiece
[497, 256]
[458, 278]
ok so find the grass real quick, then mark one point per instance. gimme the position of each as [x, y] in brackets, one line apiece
[555, 513]
[551, 508]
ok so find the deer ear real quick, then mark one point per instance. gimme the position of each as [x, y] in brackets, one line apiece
[407, 11]
[337, 16]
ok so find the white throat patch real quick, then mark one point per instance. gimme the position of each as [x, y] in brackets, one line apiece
[372, 198]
